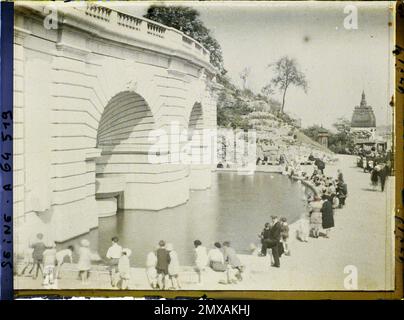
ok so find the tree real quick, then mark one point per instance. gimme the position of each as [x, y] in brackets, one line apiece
[313, 131]
[244, 76]
[340, 142]
[187, 20]
[287, 74]
[342, 125]
[267, 91]
[343, 140]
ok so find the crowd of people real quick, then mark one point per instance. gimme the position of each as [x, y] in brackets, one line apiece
[377, 163]
[162, 264]
[42, 257]
[326, 194]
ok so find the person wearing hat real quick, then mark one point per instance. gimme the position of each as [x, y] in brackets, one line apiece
[124, 269]
[342, 193]
[273, 241]
[327, 215]
[163, 260]
[84, 263]
[38, 247]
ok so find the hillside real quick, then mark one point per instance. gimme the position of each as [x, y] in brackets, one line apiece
[301, 137]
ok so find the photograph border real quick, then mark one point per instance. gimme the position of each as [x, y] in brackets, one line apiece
[398, 107]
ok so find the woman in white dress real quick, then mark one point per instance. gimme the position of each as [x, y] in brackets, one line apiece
[151, 272]
[173, 267]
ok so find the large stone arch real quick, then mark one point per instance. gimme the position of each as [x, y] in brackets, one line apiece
[123, 138]
[125, 111]
[126, 136]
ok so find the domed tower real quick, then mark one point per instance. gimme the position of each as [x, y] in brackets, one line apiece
[363, 119]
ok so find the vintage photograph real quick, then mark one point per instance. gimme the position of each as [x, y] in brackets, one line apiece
[204, 146]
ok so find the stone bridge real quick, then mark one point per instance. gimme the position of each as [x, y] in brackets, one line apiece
[89, 90]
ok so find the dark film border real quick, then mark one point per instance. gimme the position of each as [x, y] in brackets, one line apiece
[6, 151]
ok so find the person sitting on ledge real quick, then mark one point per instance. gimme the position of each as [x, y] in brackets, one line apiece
[231, 258]
[216, 258]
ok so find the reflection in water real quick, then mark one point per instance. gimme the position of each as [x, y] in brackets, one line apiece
[234, 209]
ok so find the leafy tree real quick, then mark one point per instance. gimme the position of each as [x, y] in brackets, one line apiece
[340, 142]
[343, 125]
[313, 131]
[187, 20]
[343, 140]
[287, 74]
[267, 91]
[274, 106]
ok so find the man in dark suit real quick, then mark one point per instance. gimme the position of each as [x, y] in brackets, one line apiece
[383, 176]
[264, 237]
[273, 241]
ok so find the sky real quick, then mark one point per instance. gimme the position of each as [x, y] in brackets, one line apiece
[338, 63]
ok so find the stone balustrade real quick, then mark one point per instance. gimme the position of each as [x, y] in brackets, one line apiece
[98, 12]
[144, 26]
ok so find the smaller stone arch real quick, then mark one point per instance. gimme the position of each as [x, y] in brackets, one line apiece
[200, 171]
[195, 120]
